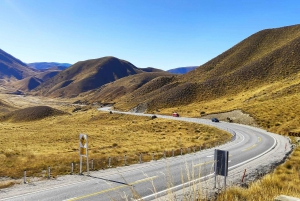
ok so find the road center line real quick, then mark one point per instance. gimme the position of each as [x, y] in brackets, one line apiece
[112, 189]
[250, 147]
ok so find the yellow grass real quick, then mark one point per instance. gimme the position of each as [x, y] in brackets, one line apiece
[54, 141]
[285, 180]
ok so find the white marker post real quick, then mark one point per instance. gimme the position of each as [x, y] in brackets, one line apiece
[83, 151]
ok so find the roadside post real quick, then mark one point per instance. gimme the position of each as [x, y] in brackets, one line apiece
[25, 177]
[83, 151]
[49, 172]
[72, 167]
[221, 165]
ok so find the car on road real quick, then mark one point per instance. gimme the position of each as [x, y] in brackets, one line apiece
[215, 120]
[175, 114]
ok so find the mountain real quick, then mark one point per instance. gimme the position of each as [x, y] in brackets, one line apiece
[86, 75]
[48, 65]
[264, 58]
[182, 70]
[13, 68]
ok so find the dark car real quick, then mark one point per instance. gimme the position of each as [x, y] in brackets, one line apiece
[215, 120]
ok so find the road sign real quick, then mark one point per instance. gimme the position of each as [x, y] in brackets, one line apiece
[221, 165]
[83, 151]
[83, 145]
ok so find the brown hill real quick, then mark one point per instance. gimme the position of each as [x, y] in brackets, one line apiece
[50, 73]
[27, 84]
[86, 75]
[265, 57]
[114, 90]
[11, 67]
[31, 114]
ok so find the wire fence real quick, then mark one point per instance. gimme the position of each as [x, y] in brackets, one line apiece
[102, 163]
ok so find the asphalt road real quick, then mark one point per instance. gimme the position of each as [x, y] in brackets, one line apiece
[151, 180]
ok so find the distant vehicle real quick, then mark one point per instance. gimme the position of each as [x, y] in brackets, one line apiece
[175, 114]
[215, 120]
[153, 117]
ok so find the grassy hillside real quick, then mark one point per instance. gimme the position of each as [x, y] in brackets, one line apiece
[259, 75]
[11, 67]
[112, 91]
[263, 58]
[31, 114]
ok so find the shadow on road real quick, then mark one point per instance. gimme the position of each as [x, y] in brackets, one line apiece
[118, 182]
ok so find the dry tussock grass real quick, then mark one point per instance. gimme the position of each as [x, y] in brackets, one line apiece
[54, 140]
[285, 180]
[275, 108]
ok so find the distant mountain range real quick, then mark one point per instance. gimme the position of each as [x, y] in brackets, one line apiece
[182, 70]
[48, 65]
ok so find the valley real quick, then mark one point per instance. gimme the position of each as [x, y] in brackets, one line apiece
[256, 82]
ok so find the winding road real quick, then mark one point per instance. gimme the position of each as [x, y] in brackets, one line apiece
[155, 179]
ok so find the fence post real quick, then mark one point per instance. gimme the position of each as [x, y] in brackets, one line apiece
[153, 156]
[125, 163]
[140, 157]
[200, 147]
[109, 162]
[194, 149]
[164, 154]
[92, 164]
[173, 152]
[72, 168]
[49, 172]
[24, 176]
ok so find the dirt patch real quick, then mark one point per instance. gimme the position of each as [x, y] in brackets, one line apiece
[235, 116]
[140, 108]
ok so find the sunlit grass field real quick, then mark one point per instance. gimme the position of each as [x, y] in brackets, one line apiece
[54, 141]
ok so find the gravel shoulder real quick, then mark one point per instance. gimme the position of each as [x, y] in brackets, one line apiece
[236, 116]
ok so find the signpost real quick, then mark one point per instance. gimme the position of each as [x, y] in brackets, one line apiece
[83, 151]
[221, 165]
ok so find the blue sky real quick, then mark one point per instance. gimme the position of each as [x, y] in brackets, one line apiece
[163, 34]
